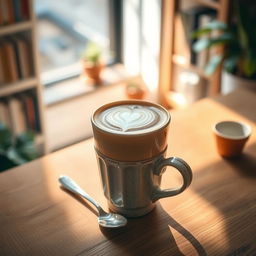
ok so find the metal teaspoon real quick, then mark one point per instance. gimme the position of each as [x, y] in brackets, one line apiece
[107, 220]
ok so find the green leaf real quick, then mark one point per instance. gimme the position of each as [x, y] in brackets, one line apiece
[15, 157]
[24, 138]
[249, 66]
[213, 64]
[213, 25]
[6, 163]
[231, 63]
[5, 137]
[28, 151]
[25, 146]
[92, 52]
[242, 24]
[201, 44]
[205, 43]
[16, 151]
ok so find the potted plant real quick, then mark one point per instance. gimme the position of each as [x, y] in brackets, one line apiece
[16, 150]
[239, 42]
[92, 63]
[134, 90]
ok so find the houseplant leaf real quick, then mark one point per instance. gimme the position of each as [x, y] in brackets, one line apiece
[213, 25]
[242, 24]
[205, 43]
[92, 53]
[231, 63]
[24, 138]
[25, 146]
[16, 150]
[249, 67]
[213, 64]
[28, 151]
[6, 163]
[14, 156]
[5, 137]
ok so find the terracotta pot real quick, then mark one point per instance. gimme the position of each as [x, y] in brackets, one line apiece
[134, 92]
[93, 72]
[230, 82]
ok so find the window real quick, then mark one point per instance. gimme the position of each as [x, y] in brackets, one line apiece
[64, 29]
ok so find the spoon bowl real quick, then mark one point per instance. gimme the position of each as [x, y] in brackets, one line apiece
[107, 220]
[111, 220]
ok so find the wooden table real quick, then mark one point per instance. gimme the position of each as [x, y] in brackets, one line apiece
[215, 216]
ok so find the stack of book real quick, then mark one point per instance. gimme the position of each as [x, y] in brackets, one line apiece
[193, 19]
[12, 11]
[20, 112]
[15, 59]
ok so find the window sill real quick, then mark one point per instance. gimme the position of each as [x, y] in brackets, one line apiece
[76, 87]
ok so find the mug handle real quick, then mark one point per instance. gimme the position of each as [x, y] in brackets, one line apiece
[184, 170]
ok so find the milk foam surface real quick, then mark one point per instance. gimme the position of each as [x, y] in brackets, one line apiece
[131, 119]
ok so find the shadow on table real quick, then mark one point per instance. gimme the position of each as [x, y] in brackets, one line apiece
[244, 165]
[155, 228]
[229, 185]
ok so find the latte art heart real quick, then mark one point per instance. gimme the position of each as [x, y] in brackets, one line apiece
[131, 118]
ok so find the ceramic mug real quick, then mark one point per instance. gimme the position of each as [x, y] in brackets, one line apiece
[231, 137]
[130, 143]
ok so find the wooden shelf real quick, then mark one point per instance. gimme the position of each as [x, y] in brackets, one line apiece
[14, 28]
[7, 90]
[18, 87]
[210, 3]
[175, 53]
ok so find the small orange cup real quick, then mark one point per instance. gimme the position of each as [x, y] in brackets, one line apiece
[231, 137]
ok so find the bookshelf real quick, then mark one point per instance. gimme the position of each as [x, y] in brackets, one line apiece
[20, 88]
[15, 28]
[176, 56]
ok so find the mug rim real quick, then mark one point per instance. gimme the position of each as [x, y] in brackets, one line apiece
[130, 102]
[245, 125]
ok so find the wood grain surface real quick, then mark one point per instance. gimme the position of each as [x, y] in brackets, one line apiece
[215, 216]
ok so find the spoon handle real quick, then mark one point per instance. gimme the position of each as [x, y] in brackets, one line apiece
[71, 185]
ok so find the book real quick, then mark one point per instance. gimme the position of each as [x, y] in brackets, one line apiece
[4, 113]
[13, 41]
[1, 14]
[29, 110]
[18, 121]
[10, 12]
[17, 10]
[9, 59]
[36, 108]
[4, 12]
[25, 64]
[2, 79]
[24, 5]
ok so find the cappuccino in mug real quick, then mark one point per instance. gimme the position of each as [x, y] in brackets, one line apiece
[131, 119]
[131, 132]
[130, 143]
